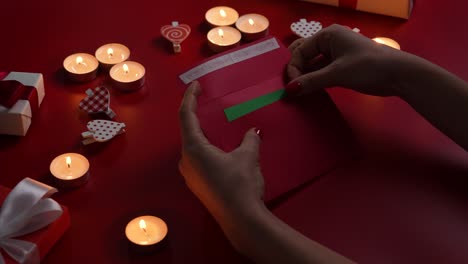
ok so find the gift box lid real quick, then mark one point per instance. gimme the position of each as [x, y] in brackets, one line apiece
[17, 119]
[27, 79]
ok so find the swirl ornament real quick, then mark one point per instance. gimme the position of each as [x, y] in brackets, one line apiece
[176, 33]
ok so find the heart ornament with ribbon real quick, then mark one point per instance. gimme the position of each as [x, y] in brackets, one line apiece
[102, 131]
[305, 29]
[176, 34]
[97, 101]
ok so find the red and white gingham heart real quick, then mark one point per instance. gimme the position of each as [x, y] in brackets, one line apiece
[175, 33]
[305, 29]
[103, 130]
[97, 101]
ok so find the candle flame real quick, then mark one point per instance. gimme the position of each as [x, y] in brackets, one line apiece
[125, 68]
[251, 22]
[222, 13]
[79, 60]
[68, 161]
[220, 32]
[110, 52]
[142, 225]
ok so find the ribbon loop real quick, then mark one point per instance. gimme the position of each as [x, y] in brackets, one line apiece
[3, 75]
[21, 251]
[26, 209]
[10, 92]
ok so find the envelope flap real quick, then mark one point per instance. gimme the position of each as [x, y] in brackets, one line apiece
[215, 74]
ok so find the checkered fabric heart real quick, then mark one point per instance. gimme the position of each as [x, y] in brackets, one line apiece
[97, 101]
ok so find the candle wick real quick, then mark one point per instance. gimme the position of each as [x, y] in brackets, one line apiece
[68, 165]
[147, 235]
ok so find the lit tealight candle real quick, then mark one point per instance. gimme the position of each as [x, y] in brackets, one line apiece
[387, 41]
[223, 38]
[221, 16]
[110, 54]
[70, 169]
[128, 76]
[81, 67]
[146, 230]
[253, 26]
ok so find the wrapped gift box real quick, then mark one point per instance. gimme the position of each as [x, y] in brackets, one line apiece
[44, 238]
[395, 8]
[15, 119]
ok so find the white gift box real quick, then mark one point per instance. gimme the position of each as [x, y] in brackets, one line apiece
[17, 119]
[395, 8]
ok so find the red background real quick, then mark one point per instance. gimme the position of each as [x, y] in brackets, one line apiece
[402, 201]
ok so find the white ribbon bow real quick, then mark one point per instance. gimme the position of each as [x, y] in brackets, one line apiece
[27, 208]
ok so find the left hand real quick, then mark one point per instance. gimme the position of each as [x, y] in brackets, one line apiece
[222, 181]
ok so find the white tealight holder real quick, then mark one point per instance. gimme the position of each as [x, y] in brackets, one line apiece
[253, 26]
[128, 76]
[110, 54]
[81, 67]
[70, 170]
[146, 231]
[220, 16]
[223, 38]
[388, 42]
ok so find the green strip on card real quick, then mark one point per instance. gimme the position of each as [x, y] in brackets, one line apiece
[237, 111]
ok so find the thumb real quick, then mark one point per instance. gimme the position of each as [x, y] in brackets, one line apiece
[313, 81]
[251, 143]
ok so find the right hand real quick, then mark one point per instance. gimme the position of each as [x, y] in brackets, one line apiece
[337, 56]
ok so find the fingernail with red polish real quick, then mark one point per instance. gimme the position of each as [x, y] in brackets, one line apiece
[293, 88]
[259, 133]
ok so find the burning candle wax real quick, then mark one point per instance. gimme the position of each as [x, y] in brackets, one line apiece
[223, 38]
[70, 169]
[387, 41]
[81, 67]
[253, 26]
[128, 75]
[146, 230]
[110, 54]
[221, 16]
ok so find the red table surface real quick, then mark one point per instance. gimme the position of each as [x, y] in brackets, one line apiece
[403, 201]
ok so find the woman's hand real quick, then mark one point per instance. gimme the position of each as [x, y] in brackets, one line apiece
[230, 185]
[222, 181]
[337, 56]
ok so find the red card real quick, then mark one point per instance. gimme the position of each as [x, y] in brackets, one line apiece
[303, 137]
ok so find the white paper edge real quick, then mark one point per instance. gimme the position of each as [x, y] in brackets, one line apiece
[229, 59]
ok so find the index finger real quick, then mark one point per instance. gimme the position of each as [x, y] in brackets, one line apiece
[309, 49]
[302, 52]
[190, 126]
